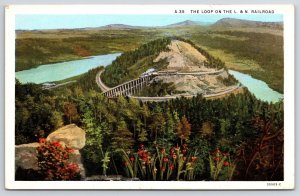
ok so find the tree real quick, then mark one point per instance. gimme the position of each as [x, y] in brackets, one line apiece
[70, 111]
[183, 129]
[171, 121]
[122, 137]
[56, 120]
[207, 129]
[158, 122]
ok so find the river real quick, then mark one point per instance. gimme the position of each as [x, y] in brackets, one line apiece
[60, 71]
[259, 88]
[63, 70]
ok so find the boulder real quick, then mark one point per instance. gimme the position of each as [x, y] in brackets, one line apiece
[70, 135]
[26, 156]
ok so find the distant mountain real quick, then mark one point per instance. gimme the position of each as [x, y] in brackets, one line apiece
[233, 22]
[121, 26]
[183, 23]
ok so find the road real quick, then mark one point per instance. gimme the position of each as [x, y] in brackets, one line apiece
[99, 82]
[158, 99]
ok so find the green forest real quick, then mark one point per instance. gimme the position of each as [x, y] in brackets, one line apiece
[235, 138]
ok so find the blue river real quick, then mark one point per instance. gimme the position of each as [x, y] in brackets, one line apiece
[60, 71]
[259, 88]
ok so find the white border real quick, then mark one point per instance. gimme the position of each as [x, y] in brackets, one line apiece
[289, 117]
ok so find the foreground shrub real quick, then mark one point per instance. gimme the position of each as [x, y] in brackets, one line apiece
[53, 161]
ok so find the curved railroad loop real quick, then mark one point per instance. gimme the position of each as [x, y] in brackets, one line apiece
[136, 85]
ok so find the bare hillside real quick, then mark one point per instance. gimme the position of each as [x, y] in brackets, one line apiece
[184, 58]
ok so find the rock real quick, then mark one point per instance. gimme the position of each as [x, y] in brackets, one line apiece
[71, 135]
[75, 157]
[26, 156]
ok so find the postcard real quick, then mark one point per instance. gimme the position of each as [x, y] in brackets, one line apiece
[150, 97]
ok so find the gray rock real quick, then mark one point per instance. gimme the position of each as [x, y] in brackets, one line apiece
[26, 156]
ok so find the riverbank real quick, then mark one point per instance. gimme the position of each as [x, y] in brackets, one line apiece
[64, 70]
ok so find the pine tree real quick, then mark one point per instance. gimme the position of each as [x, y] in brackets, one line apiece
[171, 121]
[122, 137]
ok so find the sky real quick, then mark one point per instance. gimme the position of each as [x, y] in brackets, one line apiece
[35, 22]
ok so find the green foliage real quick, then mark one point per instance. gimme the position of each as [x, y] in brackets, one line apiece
[176, 163]
[105, 162]
[221, 167]
[157, 89]
[38, 113]
[235, 124]
[122, 138]
[133, 63]
[230, 80]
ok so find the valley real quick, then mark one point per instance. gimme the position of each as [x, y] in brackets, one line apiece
[241, 46]
[182, 102]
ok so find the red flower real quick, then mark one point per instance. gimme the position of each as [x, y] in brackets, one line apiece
[171, 167]
[184, 158]
[226, 163]
[162, 150]
[42, 140]
[183, 150]
[131, 158]
[172, 150]
[163, 169]
[140, 153]
[174, 156]
[184, 145]
[56, 144]
[194, 158]
[217, 158]
[165, 159]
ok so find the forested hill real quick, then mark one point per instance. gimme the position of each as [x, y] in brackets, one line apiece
[132, 64]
